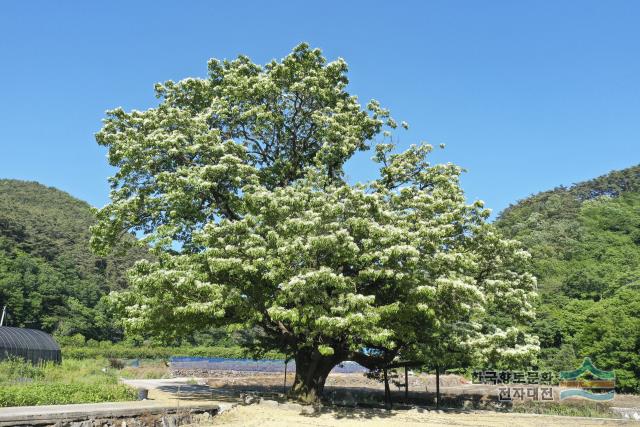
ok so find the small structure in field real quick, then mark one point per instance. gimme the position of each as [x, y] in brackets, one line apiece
[29, 344]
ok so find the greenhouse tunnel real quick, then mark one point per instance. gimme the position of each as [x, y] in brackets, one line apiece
[29, 344]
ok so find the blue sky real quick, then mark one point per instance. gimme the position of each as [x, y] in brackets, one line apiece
[527, 95]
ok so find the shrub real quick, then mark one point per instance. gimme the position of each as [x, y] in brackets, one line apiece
[73, 340]
[116, 363]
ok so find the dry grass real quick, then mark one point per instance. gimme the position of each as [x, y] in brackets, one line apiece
[148, 369]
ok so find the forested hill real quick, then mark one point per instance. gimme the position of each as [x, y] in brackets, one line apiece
[585, 239]
[49, 278]
[585, 246]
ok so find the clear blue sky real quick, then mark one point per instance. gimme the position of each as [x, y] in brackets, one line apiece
[526, 95]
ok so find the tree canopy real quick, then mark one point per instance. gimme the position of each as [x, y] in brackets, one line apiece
[236, 181]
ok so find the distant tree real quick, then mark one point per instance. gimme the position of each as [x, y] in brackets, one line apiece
[237, 183]
[563, 359]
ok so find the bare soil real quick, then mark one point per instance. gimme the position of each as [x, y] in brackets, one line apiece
[279, 416]
[240, 392]
[341, 388]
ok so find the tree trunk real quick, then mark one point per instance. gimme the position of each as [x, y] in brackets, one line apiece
[387, 391]
[312, 370]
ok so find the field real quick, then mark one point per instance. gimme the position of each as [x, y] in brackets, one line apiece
[73, 381]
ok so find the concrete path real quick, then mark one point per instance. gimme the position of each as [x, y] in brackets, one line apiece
[174, 388]
[184, 389]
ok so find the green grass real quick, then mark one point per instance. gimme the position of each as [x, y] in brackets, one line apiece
[72, 381]
[119, 351]
[568, 408]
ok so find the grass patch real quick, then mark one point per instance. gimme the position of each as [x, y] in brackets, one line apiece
[568, 408]
[120, 351]
[72, 381]
[148, 369]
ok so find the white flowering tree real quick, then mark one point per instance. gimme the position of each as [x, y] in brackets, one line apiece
[236, 182]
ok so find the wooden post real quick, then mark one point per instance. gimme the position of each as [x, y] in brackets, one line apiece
[387, 391]
[406, 385]
[437, 387]
[284, 387]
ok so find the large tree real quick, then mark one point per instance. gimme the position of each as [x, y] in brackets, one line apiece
[237, 183]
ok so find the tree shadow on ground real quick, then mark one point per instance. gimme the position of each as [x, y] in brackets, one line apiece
[353, 413]
[343, 402]
[198, 392]
[339, 412]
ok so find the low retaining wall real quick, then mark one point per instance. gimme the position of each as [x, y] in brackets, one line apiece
[126, 414]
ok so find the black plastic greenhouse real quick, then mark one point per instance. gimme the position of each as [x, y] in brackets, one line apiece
[29, 344]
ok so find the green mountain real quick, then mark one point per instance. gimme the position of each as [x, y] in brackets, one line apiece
[585, 247]
[49, 278]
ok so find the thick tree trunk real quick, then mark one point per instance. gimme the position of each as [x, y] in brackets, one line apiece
[312, 370]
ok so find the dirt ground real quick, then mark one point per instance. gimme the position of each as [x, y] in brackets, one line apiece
[274, 382]
[454, 389]
[232, 389]
[276, 416]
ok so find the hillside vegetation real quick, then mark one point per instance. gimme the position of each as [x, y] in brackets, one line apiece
[49, 278]
[584, 241]
[585, 246]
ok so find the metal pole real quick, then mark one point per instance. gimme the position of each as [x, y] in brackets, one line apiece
[4, 309]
